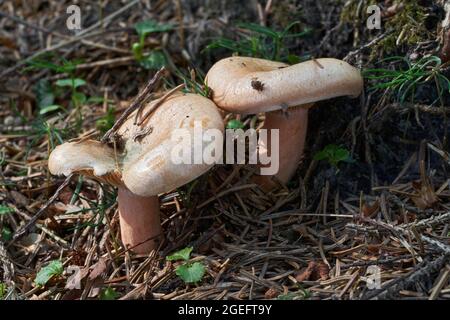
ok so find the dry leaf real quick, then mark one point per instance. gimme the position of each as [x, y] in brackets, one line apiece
[322, 270]
[426, 197]
[314, 271]
[306, 273]
[272, 293]
[98, 269]
[369, 211]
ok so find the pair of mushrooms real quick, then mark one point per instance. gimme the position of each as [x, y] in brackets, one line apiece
[239, 84]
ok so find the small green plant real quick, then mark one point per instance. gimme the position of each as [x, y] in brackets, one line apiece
[6, 234]
[3, 290]
[41, 128]
[333, 154]
[53, 269]
[156, 58]
[235, 124]
[261, 42]
[5, 210]
[188, 272]
[406, 76]
[194, 82]
[109, 294]
[46, 92]
[107, 121]
[301, 294]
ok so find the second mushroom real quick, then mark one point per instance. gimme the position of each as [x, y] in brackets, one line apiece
[284, 93]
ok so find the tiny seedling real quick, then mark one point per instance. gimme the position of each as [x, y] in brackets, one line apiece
[41, 128]
[156, 58]
[261, 42]
[46, 92]
[53, 269]
[49, 97]
[109, 294]
[235, 124]
[188, 272]
[406, 76]
[333, 154]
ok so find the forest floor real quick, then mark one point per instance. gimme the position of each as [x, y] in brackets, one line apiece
[366, 216]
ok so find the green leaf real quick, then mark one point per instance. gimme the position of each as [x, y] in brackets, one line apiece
[5, 210]
[341, 154]
[235, 124]
[73, 83]
[149, 26]
[79, 98]
[109, 294]
[43, 63]
[106, 122]
[44, 94]
[190, 273]
[154, 60]
[137, 51]
[3, 290]
[6, 234]
[293, 59]
[49, 108]
[54, 268]
[183, 254]
[333, 154]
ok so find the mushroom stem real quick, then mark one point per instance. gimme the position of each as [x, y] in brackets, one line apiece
[140, 224]
[292, 126]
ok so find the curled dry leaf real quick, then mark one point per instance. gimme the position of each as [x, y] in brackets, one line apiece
[369, 211]
[314, 271]
[98, 269]
[272, 293]
[425, 196]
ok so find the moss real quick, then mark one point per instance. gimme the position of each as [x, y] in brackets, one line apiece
[407, 25]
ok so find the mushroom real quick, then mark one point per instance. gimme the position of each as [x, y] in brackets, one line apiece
[247, 85]
[145, 166]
